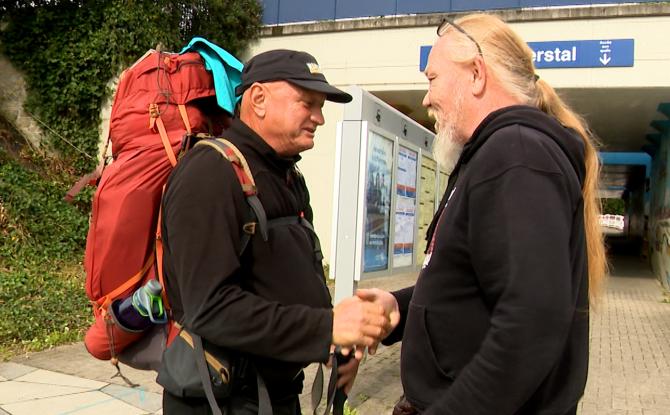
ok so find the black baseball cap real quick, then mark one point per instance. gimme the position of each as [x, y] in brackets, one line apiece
[298, 68]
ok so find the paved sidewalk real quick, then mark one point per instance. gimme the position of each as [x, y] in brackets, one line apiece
[629, 371]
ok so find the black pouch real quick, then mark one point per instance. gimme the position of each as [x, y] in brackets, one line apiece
[190, 369]
[146, 353]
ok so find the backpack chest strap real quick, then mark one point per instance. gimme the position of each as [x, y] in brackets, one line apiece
[261, 223]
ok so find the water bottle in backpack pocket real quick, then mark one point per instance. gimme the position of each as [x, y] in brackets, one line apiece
[140, 310]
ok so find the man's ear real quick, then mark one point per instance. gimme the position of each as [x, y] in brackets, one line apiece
[258, 99]
[478, 76]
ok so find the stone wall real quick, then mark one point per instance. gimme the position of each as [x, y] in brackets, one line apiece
[12, 98]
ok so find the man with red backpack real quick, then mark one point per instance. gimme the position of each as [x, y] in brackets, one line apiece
[242, 263]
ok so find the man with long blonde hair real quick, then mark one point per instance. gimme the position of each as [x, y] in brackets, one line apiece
[498, 321]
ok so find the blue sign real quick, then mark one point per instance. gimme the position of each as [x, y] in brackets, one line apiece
[583, 53]
[572, 54]
[423, 57]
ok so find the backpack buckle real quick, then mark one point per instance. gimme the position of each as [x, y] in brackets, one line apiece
[249, 228]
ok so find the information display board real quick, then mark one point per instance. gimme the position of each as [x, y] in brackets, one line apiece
[405, 207]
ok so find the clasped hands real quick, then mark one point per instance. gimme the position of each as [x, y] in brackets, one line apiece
[360, 322]
[364, 320]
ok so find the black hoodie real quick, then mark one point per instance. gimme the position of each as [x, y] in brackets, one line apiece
[498, 320]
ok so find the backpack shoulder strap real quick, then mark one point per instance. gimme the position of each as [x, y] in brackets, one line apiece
[246, 179]
[234, 155]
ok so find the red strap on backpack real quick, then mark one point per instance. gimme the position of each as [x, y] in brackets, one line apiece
[237, 160]
[104, 301]
[159, 260]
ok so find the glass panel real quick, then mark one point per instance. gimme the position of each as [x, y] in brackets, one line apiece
[377, 203]
[405, 208]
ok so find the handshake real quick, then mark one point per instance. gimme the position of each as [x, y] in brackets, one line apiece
[364, 320]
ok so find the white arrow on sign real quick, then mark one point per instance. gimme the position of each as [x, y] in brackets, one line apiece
[605, 59]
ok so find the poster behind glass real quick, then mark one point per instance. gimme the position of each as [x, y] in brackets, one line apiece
[405, 208]
[377, 203]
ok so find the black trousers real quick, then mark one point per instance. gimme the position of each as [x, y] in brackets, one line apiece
[235, 405]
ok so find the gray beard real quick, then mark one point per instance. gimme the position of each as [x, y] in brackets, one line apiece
[446, 149]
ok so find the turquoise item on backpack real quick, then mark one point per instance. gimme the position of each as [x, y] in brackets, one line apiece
[226, 69]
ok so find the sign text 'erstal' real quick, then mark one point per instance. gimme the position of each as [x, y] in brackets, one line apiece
[572, 53]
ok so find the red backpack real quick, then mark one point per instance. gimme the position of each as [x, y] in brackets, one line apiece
[164, 103]
[159, 100]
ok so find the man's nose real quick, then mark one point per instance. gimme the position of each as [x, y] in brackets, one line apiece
[426, 101]
[317, 117]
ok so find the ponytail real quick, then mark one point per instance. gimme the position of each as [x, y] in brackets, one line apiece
[549, 102]
[509, 59]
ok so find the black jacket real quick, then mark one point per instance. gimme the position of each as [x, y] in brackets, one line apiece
[497, 322]
[271, 304]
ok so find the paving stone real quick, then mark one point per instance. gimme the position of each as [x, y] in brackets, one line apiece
[86, 403]
[12, 391]
[74, 360]
[10, 370]
[137, 397]
[53, 378]
[630, 346]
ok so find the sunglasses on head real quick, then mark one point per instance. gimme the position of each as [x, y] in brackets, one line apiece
[442, 28]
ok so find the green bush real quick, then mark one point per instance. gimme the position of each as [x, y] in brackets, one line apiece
[40, 308]
[40, 226]
[614, 206]
[42, 297]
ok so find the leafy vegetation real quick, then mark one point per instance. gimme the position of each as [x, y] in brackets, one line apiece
[348, 410]
[614, 206]
[68, 51]
[42, 301]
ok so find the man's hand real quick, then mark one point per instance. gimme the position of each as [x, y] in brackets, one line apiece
[358, 322]
[388, 302]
